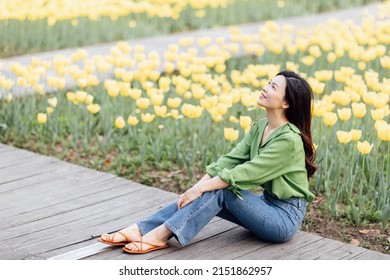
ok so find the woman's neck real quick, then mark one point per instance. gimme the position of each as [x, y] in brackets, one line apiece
[275, 120]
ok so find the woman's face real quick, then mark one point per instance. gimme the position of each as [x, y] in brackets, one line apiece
[272, 95]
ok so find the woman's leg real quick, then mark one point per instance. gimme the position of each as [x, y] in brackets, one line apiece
[268, 218]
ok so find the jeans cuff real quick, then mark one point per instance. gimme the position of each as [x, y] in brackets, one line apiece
[177, 236]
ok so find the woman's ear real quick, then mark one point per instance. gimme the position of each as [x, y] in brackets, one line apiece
[285, 105]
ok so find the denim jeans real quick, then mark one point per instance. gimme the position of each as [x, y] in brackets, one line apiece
[268, 218]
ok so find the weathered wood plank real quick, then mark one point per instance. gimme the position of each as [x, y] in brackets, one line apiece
[244, 246]
[371, 255]
[87, 212]
[76, 231]
[66, 169]
[314, 250]
[11, 159]
[53, 191]
[75, 202]
[14, 173]
[275, 251]
[346, 251]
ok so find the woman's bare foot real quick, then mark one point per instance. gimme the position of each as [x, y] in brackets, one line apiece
[122, 237]
[153, 240]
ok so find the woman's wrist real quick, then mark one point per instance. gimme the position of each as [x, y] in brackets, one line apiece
[196, 191]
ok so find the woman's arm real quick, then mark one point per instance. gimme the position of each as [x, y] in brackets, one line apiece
[199, 188]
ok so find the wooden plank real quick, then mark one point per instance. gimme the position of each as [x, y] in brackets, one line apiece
[301, 239]
[371, 255]
[346, 251]
[45, 215]
[237, 249]
[54, 191]
[314, 250]
[14, 173]
[11, 159]
[83, 252]
[80, 209]
[66, 169]
[71, 233]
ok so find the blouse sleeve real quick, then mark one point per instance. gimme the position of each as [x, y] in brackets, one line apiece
[238, 155]
[273, 162]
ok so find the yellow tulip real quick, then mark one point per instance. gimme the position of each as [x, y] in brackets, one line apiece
[308, 60]
[42, 118]
[160, 111]
[174, 102]
[135, 93]
[381, 100]
[89, 99]
[377, 114]
[93, 108]
[329, 118]
[384, 132]
[315, 51]
[369, 97]
[231, 134]
[147, 118]
[191, 111]
[385, 62]
[364, 147]
[143, 103]
[132, 120]
[344, 114]
[331, 57]
[233, 119]
[49, 110]
[359, 110]
[120, 122]
[52, 101]
[71, 96]
[362, 65]
[323, 75]
[344, 136]
[245, 122]
[157, 99]
[292, 66]
[81, 96]
[356, 134]
[9, 97]
[340, 76]
[341, 97]
[379, 123]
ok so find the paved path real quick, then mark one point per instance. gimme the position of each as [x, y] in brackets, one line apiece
[51, 209]
[160, 43]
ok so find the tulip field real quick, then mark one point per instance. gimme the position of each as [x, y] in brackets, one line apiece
[183, 109]
[38, 25]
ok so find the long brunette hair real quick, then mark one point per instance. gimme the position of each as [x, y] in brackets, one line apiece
[299, 97]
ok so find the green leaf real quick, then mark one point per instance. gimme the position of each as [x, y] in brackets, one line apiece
[385, 215]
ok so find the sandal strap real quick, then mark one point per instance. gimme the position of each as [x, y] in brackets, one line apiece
[125, 236]
[143, 242]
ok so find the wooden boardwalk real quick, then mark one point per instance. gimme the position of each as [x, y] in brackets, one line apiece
[51, 209]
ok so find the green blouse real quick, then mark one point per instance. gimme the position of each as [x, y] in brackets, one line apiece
[278, 165]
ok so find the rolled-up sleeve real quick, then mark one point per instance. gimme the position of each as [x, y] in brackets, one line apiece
[238, 155]
[273, 162]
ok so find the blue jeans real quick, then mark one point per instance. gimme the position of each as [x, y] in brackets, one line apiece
[268, 218]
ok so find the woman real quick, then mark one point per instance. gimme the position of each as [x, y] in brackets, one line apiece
[277, 154]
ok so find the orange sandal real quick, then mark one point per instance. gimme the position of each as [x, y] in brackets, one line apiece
[140, 250]
[111, 237]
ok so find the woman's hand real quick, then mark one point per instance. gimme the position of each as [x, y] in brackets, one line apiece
[189, 196]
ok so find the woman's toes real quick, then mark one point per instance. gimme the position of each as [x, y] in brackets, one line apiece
[131, 247]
